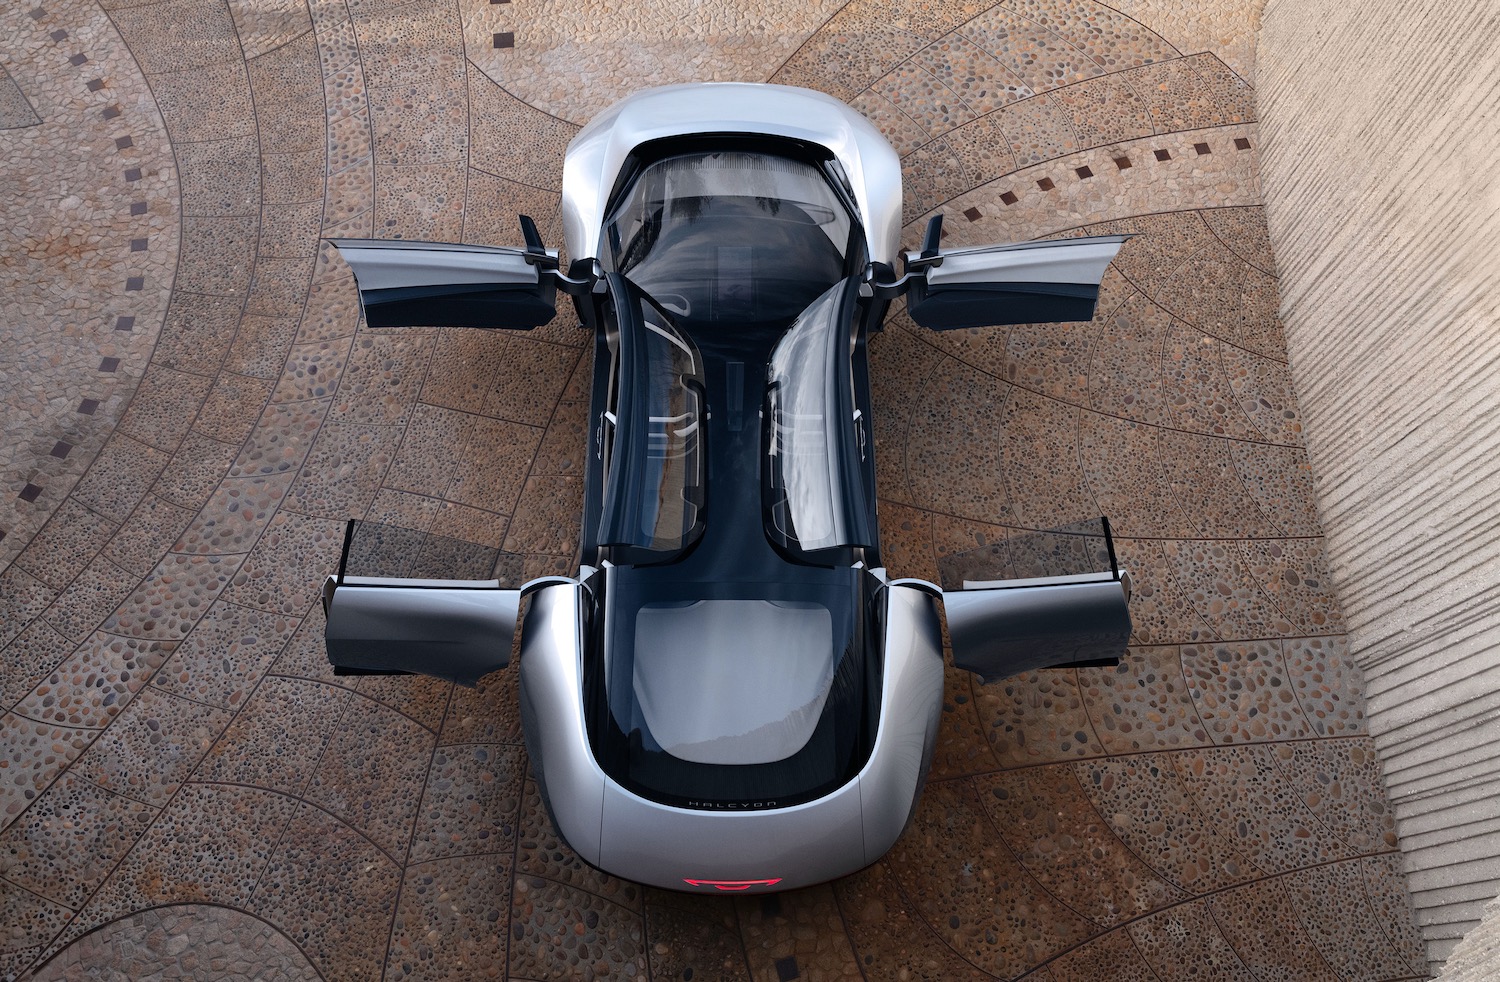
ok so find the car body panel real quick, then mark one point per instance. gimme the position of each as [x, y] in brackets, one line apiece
[404, 284]
[1013, 283]
[732, 695]
[597, 154]
[1009, 627]
[458, 630]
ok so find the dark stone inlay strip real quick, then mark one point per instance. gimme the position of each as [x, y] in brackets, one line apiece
[505, 39]
[1163, 155]
[109, 364]
[786, 969]
[1240, 143]
[973, 214]
[1084, 173]
[78, 59]
[1202, 149]
[1123, 163]
[1046, 184]
[133, 174]
[59, 35]
[125, 323]
[61, 449]
[95, 84]
[29, 493]
[124, 142]
[1009, 197]
[88, 407]
[138, 208]
[37, 13]
[111, 113]
[135, 283]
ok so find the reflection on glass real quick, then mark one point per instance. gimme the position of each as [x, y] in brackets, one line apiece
[804, 429]
[731, 236]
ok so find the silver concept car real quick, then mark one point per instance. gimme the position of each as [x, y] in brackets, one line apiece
[731, 694]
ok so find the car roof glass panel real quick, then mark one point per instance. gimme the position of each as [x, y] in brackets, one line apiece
[731, 236]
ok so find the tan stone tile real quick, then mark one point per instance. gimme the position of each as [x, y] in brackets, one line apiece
[1243, 693]
[278, 738]
[288, 565]
[1340, 782]
[381, 378]
[288, 85]
[34, 754]
[119, 477]
[1186, 939]
[802, 932]
[452, 920]
[543, 858]
[1036, 717]
[496, 116]
[371, 774]
[152, 747]
[693, 937]
[1046, 818]
[489, 712]
[66, 545]
[218, 255]
[91, 597]
[323, 865]
[1330, 685]
[179, 34]
[1145, 703]
[55, 855]
[220, 177]
[553, 923]
[197, 332]
[1151, 809]
[29, 658]
[1261, 925]
[1222, 590]
[1243, 792]
[232, 407]
[1204, 486]
[221, 661]
[889, 937]
[1348, 935]
[983, 82]
[164, 406]
[23, 598]
[343, 470]
[471, 802]
[1293, 574]
[1111, 956]
[968, 888]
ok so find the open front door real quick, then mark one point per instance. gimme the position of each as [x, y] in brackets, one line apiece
[455, 629]
[1003, 627]
[408, 284]
[1016, 283]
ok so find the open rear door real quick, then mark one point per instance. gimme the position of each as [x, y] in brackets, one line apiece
[1003, 627]
[409, 284]
[1016, 283]
[456, 629]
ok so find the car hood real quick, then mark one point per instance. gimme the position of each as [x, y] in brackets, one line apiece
[598, 152]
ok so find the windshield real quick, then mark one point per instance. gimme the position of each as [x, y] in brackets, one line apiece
[731, 236]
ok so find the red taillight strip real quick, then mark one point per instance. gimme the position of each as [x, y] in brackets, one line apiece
[730, 886]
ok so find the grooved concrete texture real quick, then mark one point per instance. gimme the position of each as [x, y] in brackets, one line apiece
[1384, 207]
[193, 408]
